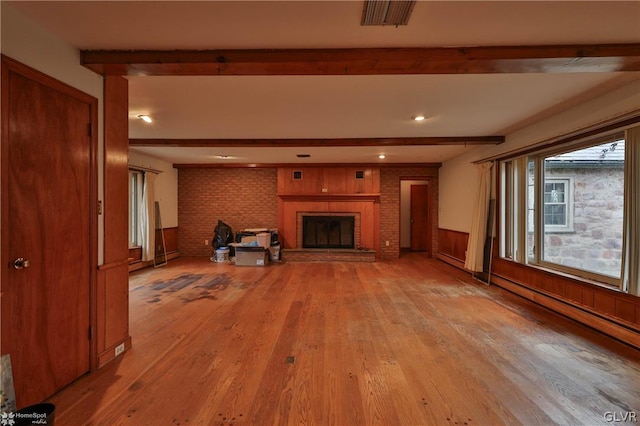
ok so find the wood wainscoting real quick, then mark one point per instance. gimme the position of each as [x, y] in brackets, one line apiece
[112, 310]
[607, 310]
[171, 248]
[452, 246]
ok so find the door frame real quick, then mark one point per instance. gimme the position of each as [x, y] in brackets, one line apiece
[428, 180]
[10, 65]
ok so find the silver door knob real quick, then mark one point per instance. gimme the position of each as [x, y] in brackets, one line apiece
[21, 263]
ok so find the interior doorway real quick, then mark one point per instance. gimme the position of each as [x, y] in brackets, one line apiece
[415, 218]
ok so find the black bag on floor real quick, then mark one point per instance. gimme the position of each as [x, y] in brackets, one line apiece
[222, 236]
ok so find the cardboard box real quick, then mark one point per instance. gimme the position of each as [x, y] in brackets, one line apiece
[264, 239]
[251, 256]
[248, 239]
[248, 235]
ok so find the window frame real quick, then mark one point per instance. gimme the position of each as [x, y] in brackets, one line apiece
[568, 203]
[136, 183]
[517, 213]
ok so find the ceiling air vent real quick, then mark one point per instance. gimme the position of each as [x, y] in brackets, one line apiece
[386, 12]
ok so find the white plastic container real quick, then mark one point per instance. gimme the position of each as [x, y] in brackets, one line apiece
[274, 251]
[222, 255]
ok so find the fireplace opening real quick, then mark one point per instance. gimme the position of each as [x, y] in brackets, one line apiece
[328, 232]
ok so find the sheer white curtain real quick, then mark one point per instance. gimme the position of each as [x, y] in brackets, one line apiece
[477, 236]
[631, 244]
[147, 217]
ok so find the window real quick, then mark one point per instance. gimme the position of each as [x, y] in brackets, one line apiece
[558, 209]
[573, 209]
[135, 201]
[531, 201]
[507, 246]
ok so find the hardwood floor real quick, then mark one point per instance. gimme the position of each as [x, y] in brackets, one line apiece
[405, 342]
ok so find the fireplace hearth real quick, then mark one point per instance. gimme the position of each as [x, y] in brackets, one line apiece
[328, 232]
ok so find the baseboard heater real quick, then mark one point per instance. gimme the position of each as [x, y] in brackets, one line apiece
[606, 325]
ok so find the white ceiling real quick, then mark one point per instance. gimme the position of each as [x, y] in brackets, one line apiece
[282, 107]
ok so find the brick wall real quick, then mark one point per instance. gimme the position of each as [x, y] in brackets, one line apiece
[390, 206]
[246, 198]
[242, 198]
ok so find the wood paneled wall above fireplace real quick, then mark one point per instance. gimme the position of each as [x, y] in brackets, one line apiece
[329, 190]
[328, 180]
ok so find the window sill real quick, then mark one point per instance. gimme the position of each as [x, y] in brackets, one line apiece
[565, 231]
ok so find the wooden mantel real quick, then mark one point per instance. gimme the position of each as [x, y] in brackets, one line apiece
[330, 197]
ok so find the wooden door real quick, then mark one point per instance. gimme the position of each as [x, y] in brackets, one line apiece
[46, 220]
[420, 220]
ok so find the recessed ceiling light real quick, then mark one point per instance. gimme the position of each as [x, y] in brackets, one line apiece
[145, 118]
[382, 156]
[224, 157]
[418, 117]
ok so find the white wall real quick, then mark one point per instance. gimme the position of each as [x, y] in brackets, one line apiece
[457, 193]
[458, 176]
[31, 44]
[166, 190]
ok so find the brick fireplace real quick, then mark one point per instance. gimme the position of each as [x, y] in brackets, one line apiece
[355, 232]
[364, 209]
[329, 191]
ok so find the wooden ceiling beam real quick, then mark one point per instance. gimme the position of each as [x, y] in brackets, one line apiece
[300, 165]
[368, 61]
[293, 143]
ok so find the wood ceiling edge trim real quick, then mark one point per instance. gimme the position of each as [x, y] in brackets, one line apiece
[617, 124]
[300, 143]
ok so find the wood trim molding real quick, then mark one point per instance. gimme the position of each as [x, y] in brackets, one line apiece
[109, 354]
[336, 142]
[368, 61]
[616, 124]
[450, 260]
[15, 66]
[136, 266]
[114, 264]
